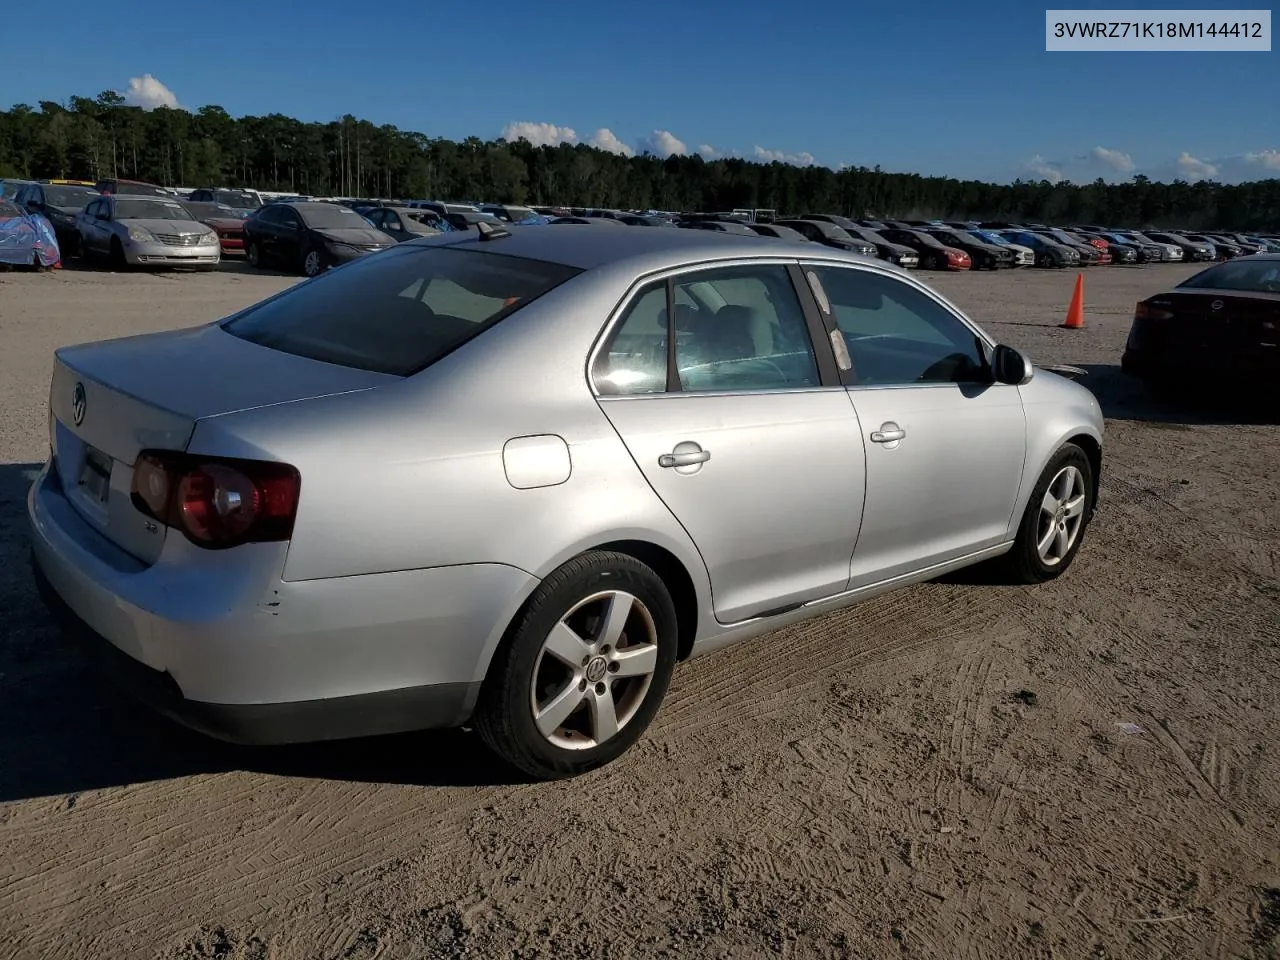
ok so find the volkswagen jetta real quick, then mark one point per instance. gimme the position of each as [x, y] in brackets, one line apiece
[509, 478]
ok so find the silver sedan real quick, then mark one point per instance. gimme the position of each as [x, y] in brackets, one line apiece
[134, 231]
[509, 478]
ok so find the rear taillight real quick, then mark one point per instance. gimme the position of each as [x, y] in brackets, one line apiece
[217, 502]
[1144, 311]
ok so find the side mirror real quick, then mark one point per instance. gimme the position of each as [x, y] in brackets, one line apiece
[1011, 366]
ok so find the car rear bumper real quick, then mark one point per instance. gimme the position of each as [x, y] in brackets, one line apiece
[239, 654]
[1237, 369]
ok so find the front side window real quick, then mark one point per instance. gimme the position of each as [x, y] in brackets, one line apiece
[897, 334]
[400, 311]
[736, 328]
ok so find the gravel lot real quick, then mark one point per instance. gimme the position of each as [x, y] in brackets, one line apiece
[944, 771]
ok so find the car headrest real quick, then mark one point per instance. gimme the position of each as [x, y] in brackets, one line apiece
[686, 317]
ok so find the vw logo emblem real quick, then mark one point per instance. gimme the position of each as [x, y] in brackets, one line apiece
[78, 404]
[1216, 305]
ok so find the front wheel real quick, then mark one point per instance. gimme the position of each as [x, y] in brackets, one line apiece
[583, 669]
[254, 254]
[312, 263]
[1054, 522]
[117, 258]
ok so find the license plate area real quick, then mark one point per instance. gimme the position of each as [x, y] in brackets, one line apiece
[95, 475]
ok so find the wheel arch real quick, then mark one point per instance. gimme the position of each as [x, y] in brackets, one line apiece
[673, 573]
[1093, 450]
[679, 583]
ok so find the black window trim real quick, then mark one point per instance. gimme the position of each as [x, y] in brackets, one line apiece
[828, 374]
[849, 378]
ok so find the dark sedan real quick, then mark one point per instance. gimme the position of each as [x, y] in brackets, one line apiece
[1221, 325]
[1223, 248]
[640, 220]
[1192, 250]
[721, 226]
[778, 232]
[1147, 252]
[825, 232]
[886, 249]
[310, 237]
[59, 205]
[1089, 254]
[933, 253]
[985, 256]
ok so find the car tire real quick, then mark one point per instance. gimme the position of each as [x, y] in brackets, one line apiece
[253, 253]
[1068, 479]
[117, 259]
[539, 672]
[312, 262]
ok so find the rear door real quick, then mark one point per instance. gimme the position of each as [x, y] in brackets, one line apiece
[747, 436]
[945, 445]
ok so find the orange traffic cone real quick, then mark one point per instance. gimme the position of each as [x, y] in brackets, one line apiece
[1075, 312]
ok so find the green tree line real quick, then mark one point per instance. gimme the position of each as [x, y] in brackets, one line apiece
[92, 137]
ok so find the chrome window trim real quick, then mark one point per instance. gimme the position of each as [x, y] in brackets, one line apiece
[946, 305]
[620, 311]
[632, 293]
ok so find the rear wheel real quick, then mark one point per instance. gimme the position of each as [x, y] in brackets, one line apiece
[583, 670]
[254, 254]
[1054, 522]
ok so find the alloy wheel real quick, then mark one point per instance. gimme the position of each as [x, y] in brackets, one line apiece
[1061, 516]
[593, 670]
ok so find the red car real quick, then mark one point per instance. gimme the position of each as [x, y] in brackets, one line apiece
[1102, 246]
[224, 220]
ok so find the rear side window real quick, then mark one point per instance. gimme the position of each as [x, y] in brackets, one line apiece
[398, 311]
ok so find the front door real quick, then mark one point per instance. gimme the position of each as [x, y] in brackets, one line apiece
[754, 450]
[945, 445]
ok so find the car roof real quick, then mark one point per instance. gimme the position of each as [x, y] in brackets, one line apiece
[580, 246]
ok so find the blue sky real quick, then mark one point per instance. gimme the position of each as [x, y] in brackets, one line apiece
[951, 88]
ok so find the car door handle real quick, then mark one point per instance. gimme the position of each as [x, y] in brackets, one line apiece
[888, 433]
[684, 459]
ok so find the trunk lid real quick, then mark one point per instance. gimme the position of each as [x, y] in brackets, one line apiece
[1220, 319]
[108, 401]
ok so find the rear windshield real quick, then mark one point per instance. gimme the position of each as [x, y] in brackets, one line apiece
[398, 311]
[1253, 276]
[234, 198]
[141, 190]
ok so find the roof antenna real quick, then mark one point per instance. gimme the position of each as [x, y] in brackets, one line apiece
[488, 231]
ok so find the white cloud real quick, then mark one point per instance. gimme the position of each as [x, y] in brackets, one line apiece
[538, 134]
[1045, 170]
[1195, 168]
[778, 156]
[662, 143]
[148, 93]
[1270, 159]
[605, 139]
[1117, 161]
[708, 152]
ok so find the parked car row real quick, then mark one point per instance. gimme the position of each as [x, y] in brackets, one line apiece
[310, 234]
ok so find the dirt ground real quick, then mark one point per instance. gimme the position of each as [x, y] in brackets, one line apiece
[1083, 769]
